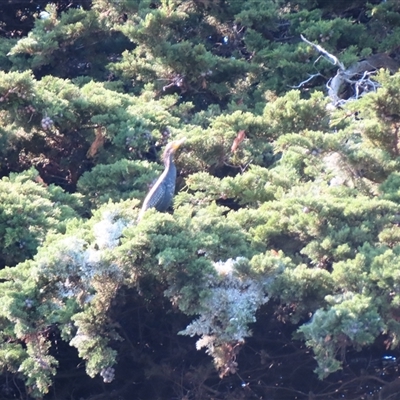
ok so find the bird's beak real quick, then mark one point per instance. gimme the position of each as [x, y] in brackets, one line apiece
[176, 144]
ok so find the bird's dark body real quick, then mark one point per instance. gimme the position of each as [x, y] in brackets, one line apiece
[161, 197]
[161, 194]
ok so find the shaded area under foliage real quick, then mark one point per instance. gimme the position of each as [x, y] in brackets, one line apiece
[156, 363]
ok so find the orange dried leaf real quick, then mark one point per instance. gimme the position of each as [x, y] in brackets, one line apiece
[327, 338]
[241, 135]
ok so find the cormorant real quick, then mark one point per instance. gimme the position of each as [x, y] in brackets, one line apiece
[161, 194]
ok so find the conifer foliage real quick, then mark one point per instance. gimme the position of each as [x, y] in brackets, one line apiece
[279, 256]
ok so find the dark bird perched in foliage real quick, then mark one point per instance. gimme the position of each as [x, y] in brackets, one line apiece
[161, 194]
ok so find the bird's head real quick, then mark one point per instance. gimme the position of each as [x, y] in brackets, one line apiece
[172, 147]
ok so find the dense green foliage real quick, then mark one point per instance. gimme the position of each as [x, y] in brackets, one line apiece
[288, 206]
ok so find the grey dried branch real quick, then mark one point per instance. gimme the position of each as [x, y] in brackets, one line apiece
[311, 77]
[357, 76]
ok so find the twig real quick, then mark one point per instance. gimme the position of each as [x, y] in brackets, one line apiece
[357, 379]
[307, 80]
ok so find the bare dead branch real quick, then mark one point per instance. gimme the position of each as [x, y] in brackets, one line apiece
[334, 60]
[357, 77]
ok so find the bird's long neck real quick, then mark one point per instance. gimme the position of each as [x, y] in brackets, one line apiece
[169, 164]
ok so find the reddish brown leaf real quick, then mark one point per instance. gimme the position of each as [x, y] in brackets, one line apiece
[275, 253]
[97, 143]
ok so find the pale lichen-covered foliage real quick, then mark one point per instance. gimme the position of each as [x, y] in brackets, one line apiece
[73, 275]
[226, 313]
